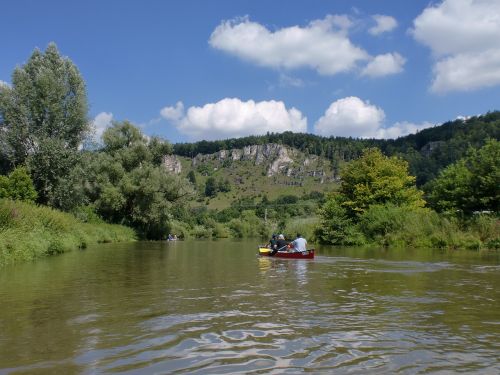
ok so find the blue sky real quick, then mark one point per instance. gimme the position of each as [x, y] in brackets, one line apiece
[190, 70]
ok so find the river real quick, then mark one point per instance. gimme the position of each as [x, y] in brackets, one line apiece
[215, 307]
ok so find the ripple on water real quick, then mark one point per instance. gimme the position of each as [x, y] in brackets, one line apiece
[237, 315]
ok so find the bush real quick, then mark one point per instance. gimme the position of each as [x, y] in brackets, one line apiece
[380, 220]
[180, 229]
[199, 231]
[18, 185]
[304, 226]
[336, 227]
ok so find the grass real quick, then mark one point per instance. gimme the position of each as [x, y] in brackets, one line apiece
[28, 232]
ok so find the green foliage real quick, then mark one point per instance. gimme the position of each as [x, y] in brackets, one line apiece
[18, 185]
[204, 170]
[375, 196]
[159, 148]
[127, 187]
[336, 225]
[44, 118]
[210, 187]
[248, 225]
[223, 185]
[471, 184]
[191, 176]
[304, 225]
[377, 179]
[87, 214]
[28, 232]
[380, 220]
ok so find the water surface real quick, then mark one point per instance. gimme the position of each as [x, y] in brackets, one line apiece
[216, 307]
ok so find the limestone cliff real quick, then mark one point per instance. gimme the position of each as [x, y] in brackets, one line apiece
[275, 158]
[172, 164]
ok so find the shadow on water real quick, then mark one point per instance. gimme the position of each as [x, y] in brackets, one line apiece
[216, 307]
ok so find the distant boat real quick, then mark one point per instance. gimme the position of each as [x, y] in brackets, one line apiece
[308, 254]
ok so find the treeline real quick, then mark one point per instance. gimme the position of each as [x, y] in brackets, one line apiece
[427, 152]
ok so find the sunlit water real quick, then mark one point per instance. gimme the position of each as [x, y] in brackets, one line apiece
[216, 307]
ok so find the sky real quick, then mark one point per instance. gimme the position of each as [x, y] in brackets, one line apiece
[188, 70]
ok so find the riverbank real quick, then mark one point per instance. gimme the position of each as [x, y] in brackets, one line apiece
[28, 232]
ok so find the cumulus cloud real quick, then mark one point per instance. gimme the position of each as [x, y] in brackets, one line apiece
[350, 117]
[353, 117]
[4, 84]
[173, 113]
[383, 65]
[101, 122]
[383, 24]
[463, 36]
[322, 45]
[400, 129]
[231, 117]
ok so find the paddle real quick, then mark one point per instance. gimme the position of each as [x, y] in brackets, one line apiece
[281, 248]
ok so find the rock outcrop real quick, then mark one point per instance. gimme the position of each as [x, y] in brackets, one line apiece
[172, 164]
[278, 157]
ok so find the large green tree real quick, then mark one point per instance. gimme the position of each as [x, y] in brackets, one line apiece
[373, 180]
[377, 179]
[43, 118]
[471, 184]
[127, 184]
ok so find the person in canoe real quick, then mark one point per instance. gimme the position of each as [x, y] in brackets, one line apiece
[299, 244]
[272, 242]
[281, 244]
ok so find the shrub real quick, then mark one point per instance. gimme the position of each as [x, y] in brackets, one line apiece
[18, 185]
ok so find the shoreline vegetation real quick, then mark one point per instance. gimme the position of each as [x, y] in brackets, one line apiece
[28, 232]
[437, 188]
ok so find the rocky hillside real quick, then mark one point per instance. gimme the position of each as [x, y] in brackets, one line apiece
[270, 169]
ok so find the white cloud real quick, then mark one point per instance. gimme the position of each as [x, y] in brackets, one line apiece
[383, 24]
[464, 38]
[382, 65]
[4, 84]
[173, 113]
[101, 122]
[400, 129]
[467, 71]
[352, 117]
[322, 45]
[231, 117]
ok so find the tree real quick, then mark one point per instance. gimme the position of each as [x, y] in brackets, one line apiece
[126, 185]
[18, 185]
[373, 180]
[336, 227]
[378, 179]
[43, 117]
[191, 176]
[224, 185]
[210, 187]
[471, 184]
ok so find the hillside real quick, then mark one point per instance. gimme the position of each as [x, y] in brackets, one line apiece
[257, 170]
[428, 151]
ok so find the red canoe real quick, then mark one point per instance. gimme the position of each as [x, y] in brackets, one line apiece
[308, 254]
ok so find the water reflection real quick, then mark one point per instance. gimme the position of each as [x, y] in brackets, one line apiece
[215, 307]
